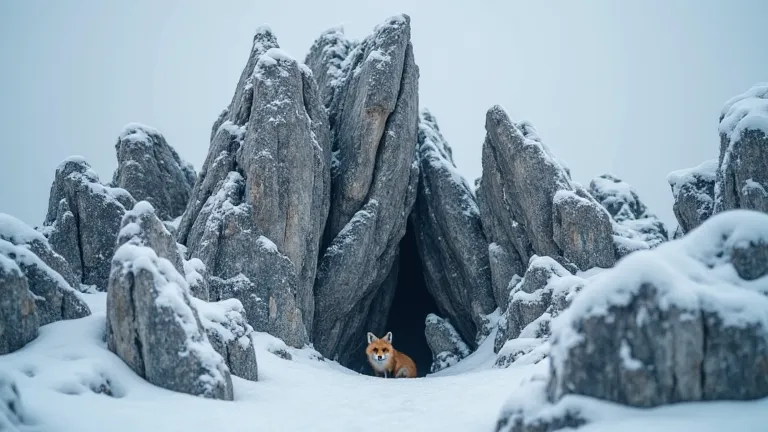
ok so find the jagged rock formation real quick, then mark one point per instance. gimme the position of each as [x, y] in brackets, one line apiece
[529, 205]
[687, 321]
[619, 325]
[742, 175]
[230, 335]
[258, 210]
[326, 60]
[544, 292]
[449, 235]
[18, 313]
[373, 115]
[54, 298]
[633, 222]
[151, 170]
[151, 323]
[694, 192]
[444, 341]
[83, 220]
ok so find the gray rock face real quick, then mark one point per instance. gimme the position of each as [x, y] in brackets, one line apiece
[152, 325]
[449, 235]
[142, 226]
[516, 196]
[626, 209]
[230, 335]
[266, 182]
[659, 335]
[375, 112]
[742, 175]
[13, 416]
[694, 192]
[83, 220]
[444, 341]
[325, 58]
[541, 295]
[18, 314]
[55, 299]
[151, 170]
[582, 230]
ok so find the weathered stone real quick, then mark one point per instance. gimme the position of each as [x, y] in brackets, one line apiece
[55, 299]
[18, 313]
[230, 335]
[266, 181]
[152, 326]
[375, 115]
[142, 225]
[151, 170]
[449, 235]
[325, 58]
[626, 209]
[582, 230]
[658, 334]
[742, 174]
[694, 192]
[445, 342]
[83, 220]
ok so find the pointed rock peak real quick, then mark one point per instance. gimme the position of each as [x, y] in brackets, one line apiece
[137, 132]
[430, 137]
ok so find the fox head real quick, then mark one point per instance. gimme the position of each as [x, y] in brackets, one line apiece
[379, 351]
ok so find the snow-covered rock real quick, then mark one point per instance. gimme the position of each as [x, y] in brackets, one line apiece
[694, 192]
[626, 209]
[687, 321]
[522, 190]
[742, 175]
[150, 169]
[19, 320]
[545, 291]
[266, 182]
[230, 335]
[375, 116]
[582, 229]
[142, 226]
[153, 327]
[54, 297]
[449, 235]
[444, 341]
[325, 59]
[83, 220]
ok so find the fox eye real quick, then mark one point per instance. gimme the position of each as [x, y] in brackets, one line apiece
[385, 350]
[375, 350]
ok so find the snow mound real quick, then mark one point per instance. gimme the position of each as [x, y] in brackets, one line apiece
[747, 111]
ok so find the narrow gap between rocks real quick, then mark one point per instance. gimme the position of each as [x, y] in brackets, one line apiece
[410, 307]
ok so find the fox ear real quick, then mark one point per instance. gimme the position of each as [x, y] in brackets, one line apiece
[388, 337]
[371, 337]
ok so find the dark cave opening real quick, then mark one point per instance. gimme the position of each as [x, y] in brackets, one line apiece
[410, 306]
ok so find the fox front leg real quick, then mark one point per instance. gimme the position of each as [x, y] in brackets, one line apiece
[386, 374]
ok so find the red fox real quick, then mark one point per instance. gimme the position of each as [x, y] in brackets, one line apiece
[387, 361]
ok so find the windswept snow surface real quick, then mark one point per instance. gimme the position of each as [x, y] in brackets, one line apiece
[58, 373]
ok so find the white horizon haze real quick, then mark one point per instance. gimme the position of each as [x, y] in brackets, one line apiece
[632, 88]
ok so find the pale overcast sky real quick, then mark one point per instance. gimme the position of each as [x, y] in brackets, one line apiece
[629, 87]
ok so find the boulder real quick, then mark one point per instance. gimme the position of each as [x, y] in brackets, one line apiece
[153, 327]
[266, 181]
[151, 170]
[83, 220]
[582, 230]
[679, 323]
[449, 235]
[230, 335]
[53, 296]
[19, 320]
[374, 108]
[694, 192]
[444, 341]
[742, 174]
[626, 209]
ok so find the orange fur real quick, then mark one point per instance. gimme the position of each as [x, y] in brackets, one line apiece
[394, 363]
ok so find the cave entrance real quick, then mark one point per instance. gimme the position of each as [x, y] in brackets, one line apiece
[410, 306]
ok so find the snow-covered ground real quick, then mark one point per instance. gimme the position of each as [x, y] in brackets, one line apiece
[57, 372]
